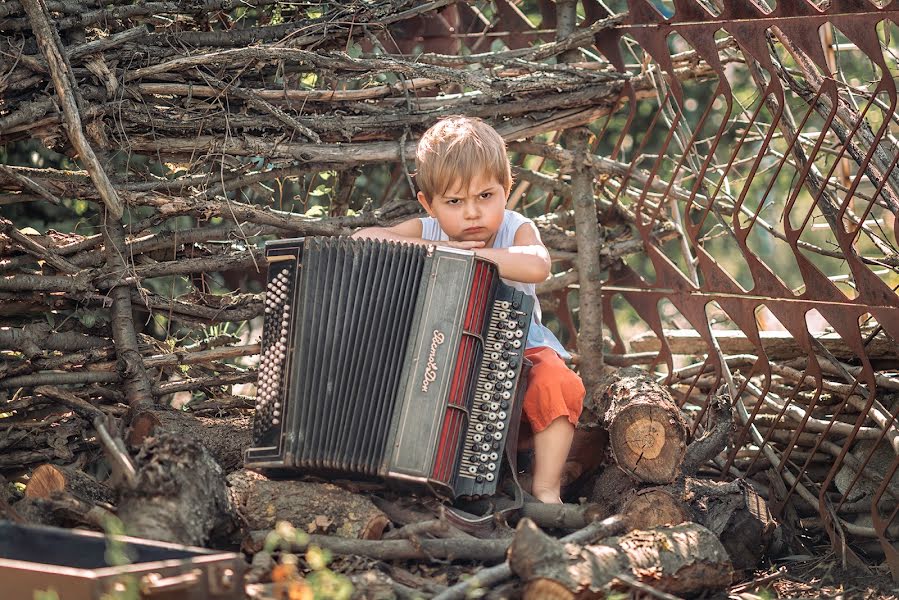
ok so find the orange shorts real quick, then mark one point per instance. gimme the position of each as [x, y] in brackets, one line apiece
[553, 390]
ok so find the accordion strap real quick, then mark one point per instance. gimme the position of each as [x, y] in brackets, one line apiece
[499, 508]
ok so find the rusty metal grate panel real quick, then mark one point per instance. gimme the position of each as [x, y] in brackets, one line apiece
[778, 167]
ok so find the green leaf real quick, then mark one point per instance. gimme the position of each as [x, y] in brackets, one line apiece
[354, 50]
[88, 319]
[321, 190]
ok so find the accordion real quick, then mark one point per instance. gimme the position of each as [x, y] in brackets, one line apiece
[388, 362]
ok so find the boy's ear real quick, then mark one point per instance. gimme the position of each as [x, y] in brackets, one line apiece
[422, 199]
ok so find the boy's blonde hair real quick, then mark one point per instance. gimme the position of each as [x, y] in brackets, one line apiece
[457, 149]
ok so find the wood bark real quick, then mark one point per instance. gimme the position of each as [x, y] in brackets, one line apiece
[589, 242]
[647, 433]
[64, 83]
[596, 530]
[778, 345]
[456, 549]
[130, 367]
[180, 494]
[734, 511]
[683, 560]
[226, 438]
[320, 508]
[562, 516]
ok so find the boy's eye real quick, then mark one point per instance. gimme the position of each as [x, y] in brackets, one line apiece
[486, 195]
[452, 201]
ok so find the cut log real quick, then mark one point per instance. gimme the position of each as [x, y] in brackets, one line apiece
[654, 507]
[736, 514]
[48, 479]
[180, 493]
[647, 433]
[610, 489]
[778, 345]
[226, 438]
[643, 507]
[683, 560]
[732, 511]
[320, 508]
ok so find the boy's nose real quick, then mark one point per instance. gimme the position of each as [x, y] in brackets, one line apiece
[471, 210]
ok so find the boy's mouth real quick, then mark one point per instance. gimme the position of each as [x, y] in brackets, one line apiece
[473, 230]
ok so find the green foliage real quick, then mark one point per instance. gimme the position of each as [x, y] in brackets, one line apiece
[318, 582]
[118, 554]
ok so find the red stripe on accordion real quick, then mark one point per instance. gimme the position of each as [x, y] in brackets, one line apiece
[477, 301]
[454, 421]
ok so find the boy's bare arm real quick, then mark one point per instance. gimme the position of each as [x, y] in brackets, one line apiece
[409, 232]
[526, 261]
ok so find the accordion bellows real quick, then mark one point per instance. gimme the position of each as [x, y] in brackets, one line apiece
[391, 362]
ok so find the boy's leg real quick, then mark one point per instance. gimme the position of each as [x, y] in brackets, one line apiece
[551, 448]
[552, 404]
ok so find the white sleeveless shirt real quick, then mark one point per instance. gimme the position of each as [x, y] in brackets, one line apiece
[538, 334]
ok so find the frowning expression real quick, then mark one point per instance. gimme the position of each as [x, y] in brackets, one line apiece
[470, 211]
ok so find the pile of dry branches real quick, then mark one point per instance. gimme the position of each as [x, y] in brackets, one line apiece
[199, 119]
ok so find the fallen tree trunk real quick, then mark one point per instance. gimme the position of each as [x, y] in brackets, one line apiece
[321, 508]
[684, 560]
[226, 438]
[180, 494]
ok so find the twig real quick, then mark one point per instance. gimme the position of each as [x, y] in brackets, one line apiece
[451, 549]
[254, 100]
[203, 382]
[29, 184]
[114, 448]
[434, 527]
[755, 583]
[487, 578]
[63, 79]
[71, 400]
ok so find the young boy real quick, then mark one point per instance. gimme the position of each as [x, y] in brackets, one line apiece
[465, 178]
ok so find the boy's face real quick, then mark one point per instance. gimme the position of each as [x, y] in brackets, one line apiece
[469, 211]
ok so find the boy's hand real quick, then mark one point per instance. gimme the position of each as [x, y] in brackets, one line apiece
[462, 245]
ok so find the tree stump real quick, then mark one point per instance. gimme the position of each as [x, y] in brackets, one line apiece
[226, 438]
[48, 479]
[180, 494]
[320, 508]
[647, 433]
[684, 560]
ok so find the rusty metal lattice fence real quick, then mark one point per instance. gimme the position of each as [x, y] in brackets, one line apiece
[779, 169]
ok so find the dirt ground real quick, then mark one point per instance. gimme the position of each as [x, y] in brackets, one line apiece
[818, 577]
